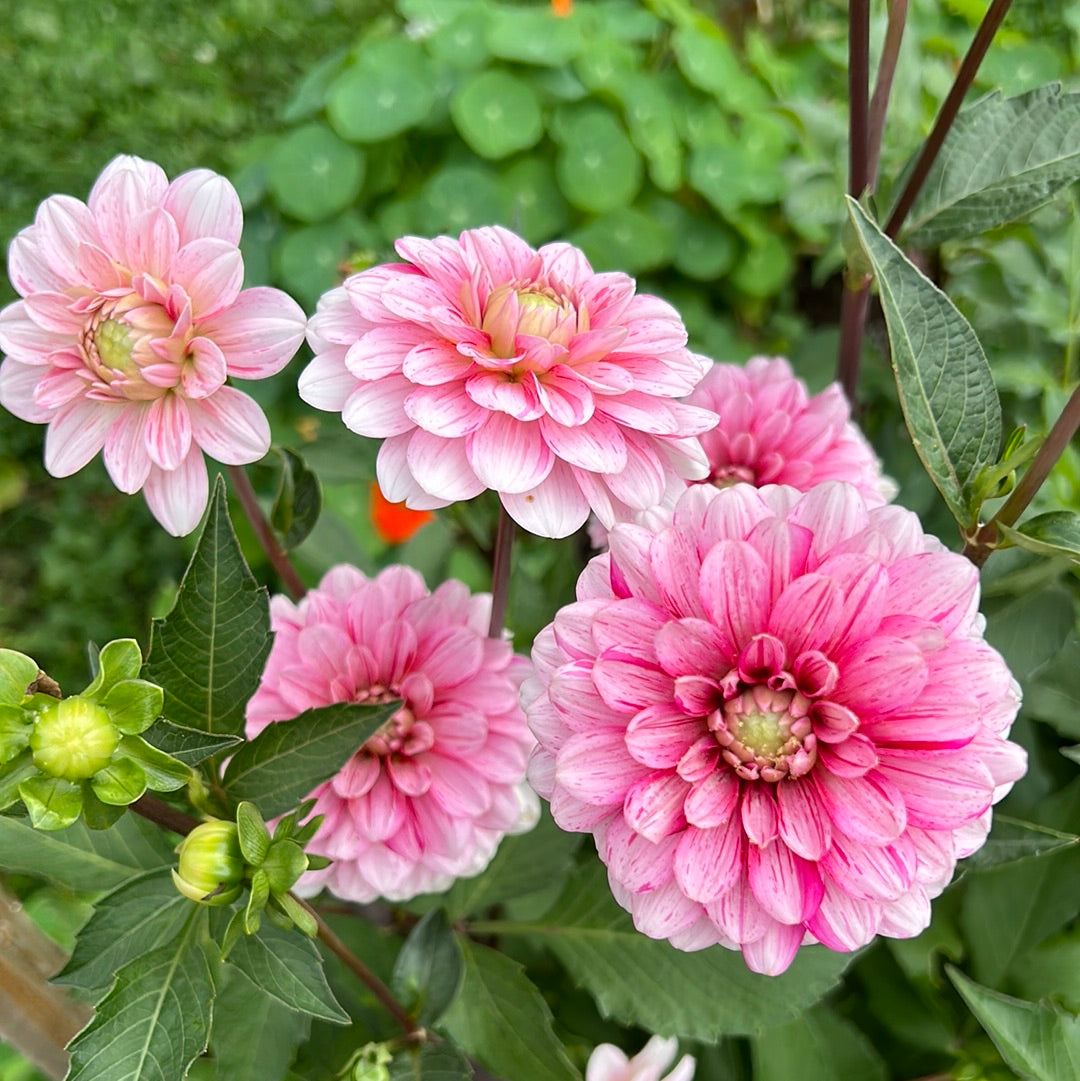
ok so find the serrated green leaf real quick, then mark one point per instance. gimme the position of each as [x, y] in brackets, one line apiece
[17, 672]
[819, 1045]
[431, 1062]
[1003, 158]
[429, 969]
[946, 389]
[208, 652]
[254, 1037]
[82, 859]
[501, 1020]
[190, 745]
[1013, 841]
[133, 920]
[298, 502]
[497, 113]
[642, 981]
[1056, 533]
[156, 1019]
[287, 966]
[1039, 1042]
[285, 761]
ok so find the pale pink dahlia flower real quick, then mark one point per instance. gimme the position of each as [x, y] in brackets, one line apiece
[486, 364]
[778, 717]
[772, 432]
[131, 321]
[608, 1063]
[428, 798]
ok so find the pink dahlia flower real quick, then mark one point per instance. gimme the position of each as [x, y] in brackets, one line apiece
[608, 1063]
[778, 717]
[486, 364]
[131, 321]
[772, 432]
[428, 798]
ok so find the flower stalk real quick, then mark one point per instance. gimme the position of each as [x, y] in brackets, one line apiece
[500, 573]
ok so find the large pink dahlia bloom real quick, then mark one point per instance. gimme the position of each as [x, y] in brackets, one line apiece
[486, 364]
[428, 798]
[131, 321]
[772, 432]
[778, 717]
[609, 1063]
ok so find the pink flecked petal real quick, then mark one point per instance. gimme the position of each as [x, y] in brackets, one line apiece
[155, 242]
[627, 684]
[641, 483]
[663, 912]
[499, 252]
[734, 580]
[653, 326]
[441, 467]
[126, 189]
[653, 806]
[444, 410]
[564, 397]
[125, 455]
[737, 914]
[177, 499]
[658, 736]
[230, 426]
[869, 810]
[258, 333]
[868, 872]
[18, 387]
[879, 675]
[598, 445]
[907, 916]
[205, 370]
[936, 719]
[639, 863]
[759, 815]
[595, 767]
[784, 548]
[788, 887]
[211, 272]
[382, 350]
[377, 408]
[692, 645]
[940, 790]
[24, 340]
[502, 392]
[168, 432]
[709, 862]
[509, 456]
[802, 821]
[773, 952]
[357, 777]
[433, 362]
[76, 433]
[842, 922]
[942, 587]
[712, 800]
[806, 615]
[204, 204]
[326, 383]
[554, 508]
[602, 377]
[850, 758]
[833, 512]
[53, 312]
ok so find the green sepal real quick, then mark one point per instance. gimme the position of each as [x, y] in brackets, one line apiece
[98, 815]
[278, 917]
[13, 774]
[317, 863]
[233, 933]
[52, 803]
[15, 728]
[260, 894]
[304, 920]
[163, 772]
[308, 830]
[134, 705]
[119, 660]
[284, 864]
[17, 672]
[120, 783]
[254, 836]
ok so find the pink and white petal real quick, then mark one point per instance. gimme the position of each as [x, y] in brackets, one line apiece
[76, 433]
[204, 370]
[628, 684]
[434, 361]
[653, 806]
[177, 499]
[842, 922]
[205, 204]
[230, 426]
[382, 350]
[907, 916]
[692, 645]
[125, 454]
[377, 409]
[24, 340]
[555, 508]
[501, 253]
[211, 272]
[663, 912]
[155, 243]
[124, 191]
[759, 815]
[259, 333]
[802, 821]
[168, 432]
[869, 809]
[441, 467]
[508, 455]
[653, 327]
[942, 790]
[868, 872]
[940, 586]
[502, 392]
[806, 615]
[636, 862]
[880, 675]
[658, 736]
[773, 952]
[395, 478]
[18, 383]
[710, 862]
[711, 801]
[788, 887]
[641, 485]
[53, 312]
[326, 383]
[596, 767]
[734, 585]
[832, 512]
[737, 914]
[444, 410]
[597, 445]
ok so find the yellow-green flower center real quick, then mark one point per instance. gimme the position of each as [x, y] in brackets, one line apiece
[73, 739]
[764, 733]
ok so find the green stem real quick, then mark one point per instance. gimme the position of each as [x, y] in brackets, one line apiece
[245, 493]
[979, 548]
[500, 573]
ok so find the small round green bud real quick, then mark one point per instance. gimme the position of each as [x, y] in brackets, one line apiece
[73, 739]
[211, 865]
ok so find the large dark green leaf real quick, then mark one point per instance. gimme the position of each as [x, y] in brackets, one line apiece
[1056, 533]
[1003, 158]
[819, 1045]
[429, 970]
[285, 761]
[190, 745]
[208, 652]
[298, 502]
[946, 390]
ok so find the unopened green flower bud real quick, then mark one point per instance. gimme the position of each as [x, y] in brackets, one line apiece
[73, 738]
[211, 865]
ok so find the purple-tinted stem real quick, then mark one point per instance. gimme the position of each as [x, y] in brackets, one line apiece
[1065, 427]
[245, 493]
[879, 102]
[500, 573]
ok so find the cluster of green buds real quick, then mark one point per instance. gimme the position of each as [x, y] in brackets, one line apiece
[218, 859]
[370, 1063]
[82, 755]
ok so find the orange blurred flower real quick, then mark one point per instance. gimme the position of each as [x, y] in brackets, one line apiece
[562, 8]
[394, 522]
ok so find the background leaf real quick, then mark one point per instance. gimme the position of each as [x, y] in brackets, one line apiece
[208, 652]
[946, 390]
[818, 1045]
[299, 499]
[190, 745]
[287, 759]
[1056, 533]
[433, 1062]
[429, 969]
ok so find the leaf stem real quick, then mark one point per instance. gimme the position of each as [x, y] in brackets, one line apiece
[879, 102]
[245, 493]
[979, 548]
[961, 84]
[500, 573]
[163, 815]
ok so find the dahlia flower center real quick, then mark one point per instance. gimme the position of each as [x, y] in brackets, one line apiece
[539, 311]
[726, 475]
[401, 735]
[119, 342]
[765, 734]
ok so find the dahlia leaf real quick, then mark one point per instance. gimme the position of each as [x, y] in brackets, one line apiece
[189, 745]
[502, 1021]
[81, 859]
[1030, 630]
[1013, 841]
[287, 967]
[818, 1045]
[254, 1037]
[135, 919]
[208, 652]
[945, 385]
[642, 981]
[1003, 158]
[431, 1062]
[429, 969]
[287, 760]
[298, 500]
[1040, 1042]
[156, 1019]
[1056, 533]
